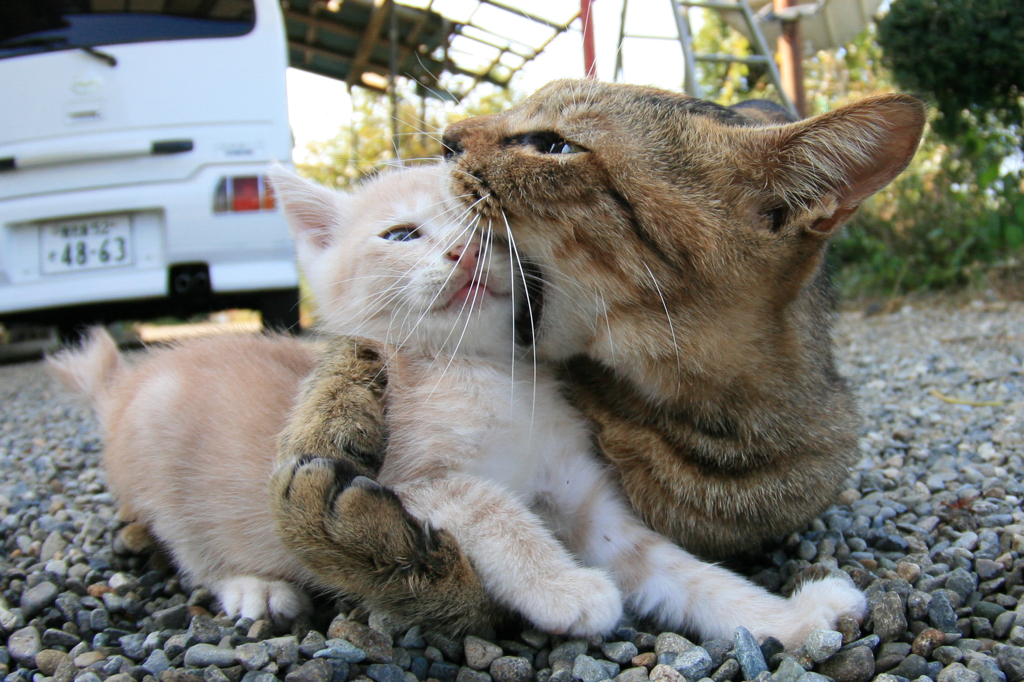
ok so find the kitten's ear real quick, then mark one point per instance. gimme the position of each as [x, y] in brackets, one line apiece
[313, 212]
[838, 159]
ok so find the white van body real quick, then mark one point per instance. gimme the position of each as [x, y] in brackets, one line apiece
[109, 173]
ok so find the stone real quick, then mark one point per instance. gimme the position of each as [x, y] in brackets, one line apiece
[729, 670]
[638, 674]
[1003, 623]
[586, 668]
[88, 676]
[443, 671]
[413, 639]
[174, 618]
[202, 630]
[890, 620]
[850, 628]
[156, 663]
[813, 677]
[317, 670]
[539, 640]
[88, 658]
[987, 668]
[788, 671]
[941, 614]
[648, 660]
[341, 649]
[480, 653]
[927, 641]
[666, 673]
[470, 675]
[53, 637]
[388, 672]
[748, 654]
[259, 676]
[376, 644]
[252, 656]
[822, 644]
[694, 664]
[850, 665]
[718, 649]
[203, 655]
[956, 672]
[260, 630]
[1011, 662]
[35, 599]
[518, 669]
[451, 647]
[568, 651]
[912, 667]
[948, 654]
[47, 660]
[133, 646]
[23, 645]
[284, 650]
[670, 642]
[961, 582]
[620, 652]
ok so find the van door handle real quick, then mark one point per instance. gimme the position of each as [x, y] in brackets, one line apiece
[58, 157]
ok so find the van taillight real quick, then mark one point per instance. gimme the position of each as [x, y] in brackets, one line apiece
[243, 193]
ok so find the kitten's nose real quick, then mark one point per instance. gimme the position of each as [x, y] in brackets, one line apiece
[465, 255]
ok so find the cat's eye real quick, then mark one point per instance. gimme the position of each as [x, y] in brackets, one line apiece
[401, 233]
[551, 143]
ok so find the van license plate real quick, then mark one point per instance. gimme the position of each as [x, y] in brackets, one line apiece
[86, 244]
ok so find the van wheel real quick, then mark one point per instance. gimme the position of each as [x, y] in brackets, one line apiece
[281, 311]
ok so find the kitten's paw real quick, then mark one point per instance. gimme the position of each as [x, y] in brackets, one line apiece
[817, 605]
[256, 598]
[583, 602]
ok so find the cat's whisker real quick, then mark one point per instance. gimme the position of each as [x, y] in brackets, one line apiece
[668, 316]
[529, 310]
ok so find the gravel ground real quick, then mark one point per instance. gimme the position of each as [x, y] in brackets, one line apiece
[931, 527]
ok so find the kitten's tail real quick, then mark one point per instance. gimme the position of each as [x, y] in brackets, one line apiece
[89, 369]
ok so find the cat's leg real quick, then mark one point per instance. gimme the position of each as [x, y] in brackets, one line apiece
[518, 559]
[357, 539]
[663, 581]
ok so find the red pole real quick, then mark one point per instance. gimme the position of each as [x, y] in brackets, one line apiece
[589, 58]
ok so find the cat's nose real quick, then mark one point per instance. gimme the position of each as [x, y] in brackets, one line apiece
[465, 255]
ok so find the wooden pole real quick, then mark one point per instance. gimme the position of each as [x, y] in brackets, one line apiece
[791, 62]
[589, 56]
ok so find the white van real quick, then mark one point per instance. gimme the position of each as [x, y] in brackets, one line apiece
[134, 135]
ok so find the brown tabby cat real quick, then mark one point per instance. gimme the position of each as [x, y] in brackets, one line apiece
[679, 245]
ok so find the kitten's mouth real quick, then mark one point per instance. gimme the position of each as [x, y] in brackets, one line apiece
[472, 293]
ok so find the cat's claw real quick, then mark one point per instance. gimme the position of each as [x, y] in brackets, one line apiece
[365, 483]
[256, 598]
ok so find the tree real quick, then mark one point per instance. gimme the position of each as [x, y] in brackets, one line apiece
[966, 55]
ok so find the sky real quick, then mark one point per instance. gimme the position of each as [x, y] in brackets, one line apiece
[318, 107]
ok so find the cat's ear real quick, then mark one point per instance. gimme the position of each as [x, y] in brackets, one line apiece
[313, 212]
[831, 163]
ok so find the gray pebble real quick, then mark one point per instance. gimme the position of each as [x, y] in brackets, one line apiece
[388, 672]
[203, 655]
[568, 651]
[156, 663]
[413, 638]
[480, 653]
[889, 617]
[748, 653]
[941, 614]
[23, 645]
[518, 669]
[666, 673]
[587, 669]
[822, 644]
[620, 652]
[37, 598]
[670, 642]
[284, 650]
[693, 664]
[259, 676]
[252, 656]
[638, 674]
[470, 675]
[956, 672]
[444, 671]
[343, 650]
[317, 670]
[850, 665]
[788, 671]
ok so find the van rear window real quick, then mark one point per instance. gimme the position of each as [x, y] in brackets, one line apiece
[33, 26]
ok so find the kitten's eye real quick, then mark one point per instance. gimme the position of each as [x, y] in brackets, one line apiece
[402, 233]
[551, 143]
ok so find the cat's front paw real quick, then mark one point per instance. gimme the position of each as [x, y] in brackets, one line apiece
[252, 597]
[582, 603]
[817, 605]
